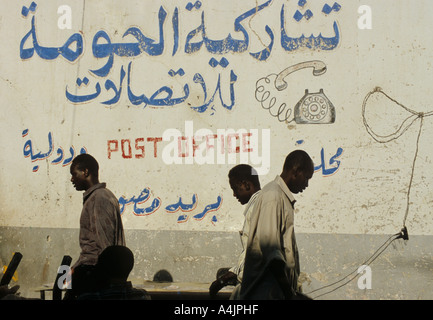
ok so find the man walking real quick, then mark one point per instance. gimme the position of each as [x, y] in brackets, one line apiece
[100, 222]
[271, 262]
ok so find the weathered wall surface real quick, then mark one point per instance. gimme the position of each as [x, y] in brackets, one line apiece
[170, 95]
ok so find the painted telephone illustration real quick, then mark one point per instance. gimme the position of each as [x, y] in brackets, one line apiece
[319, 68]
[313, 108]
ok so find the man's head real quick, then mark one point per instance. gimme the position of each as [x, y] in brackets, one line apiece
[84, 171]
[114, 265]
[297, 170]
[244, 181]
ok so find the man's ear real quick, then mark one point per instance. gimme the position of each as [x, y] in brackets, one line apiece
[86, 172]
[247, 185]
[295, 172]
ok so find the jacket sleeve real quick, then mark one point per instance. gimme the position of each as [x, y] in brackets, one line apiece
[103, 222]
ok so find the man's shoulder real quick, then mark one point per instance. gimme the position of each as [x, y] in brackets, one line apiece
[101, 197]
[103, 191]
[270, 190]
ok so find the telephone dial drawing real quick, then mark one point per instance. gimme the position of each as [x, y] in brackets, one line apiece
[312, 108]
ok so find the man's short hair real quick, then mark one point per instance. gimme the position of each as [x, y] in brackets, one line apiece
[298, 160]
[115, 262]
[86, 161]
[245, 172]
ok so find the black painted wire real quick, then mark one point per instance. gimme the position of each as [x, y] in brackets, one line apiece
[414, 115]
[369, 261]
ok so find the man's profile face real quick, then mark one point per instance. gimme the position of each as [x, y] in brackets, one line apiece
[240, 191]
[300, 181]
[78, 178]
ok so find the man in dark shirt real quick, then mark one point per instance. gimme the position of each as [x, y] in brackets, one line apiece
[100, 222]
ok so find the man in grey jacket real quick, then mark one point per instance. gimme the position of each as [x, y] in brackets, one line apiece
[100, 222]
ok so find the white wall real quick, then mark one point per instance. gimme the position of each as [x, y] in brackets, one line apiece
[359, 193]
[363, 191]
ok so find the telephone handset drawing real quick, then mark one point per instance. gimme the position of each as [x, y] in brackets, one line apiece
[319, 68]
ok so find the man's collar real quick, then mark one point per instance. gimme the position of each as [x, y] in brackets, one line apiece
[252, 199]
[254, 196]
[285, 189]
[89, 191]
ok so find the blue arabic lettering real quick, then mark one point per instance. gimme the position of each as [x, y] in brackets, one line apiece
[228, 44]
[198, 78]
[183, 207]
[142, 198]
[79, 99]
[209, 208]
[144, 44]
[103, 47]
[28, 152]
[175, 22]
[333, 163]
[49, 53]
[171, 208]
[320, 42]
[165, 101]
[110, 85]
[60, 156]
[182, 218]
[153, 48]
[163, 96]
[156, 203]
